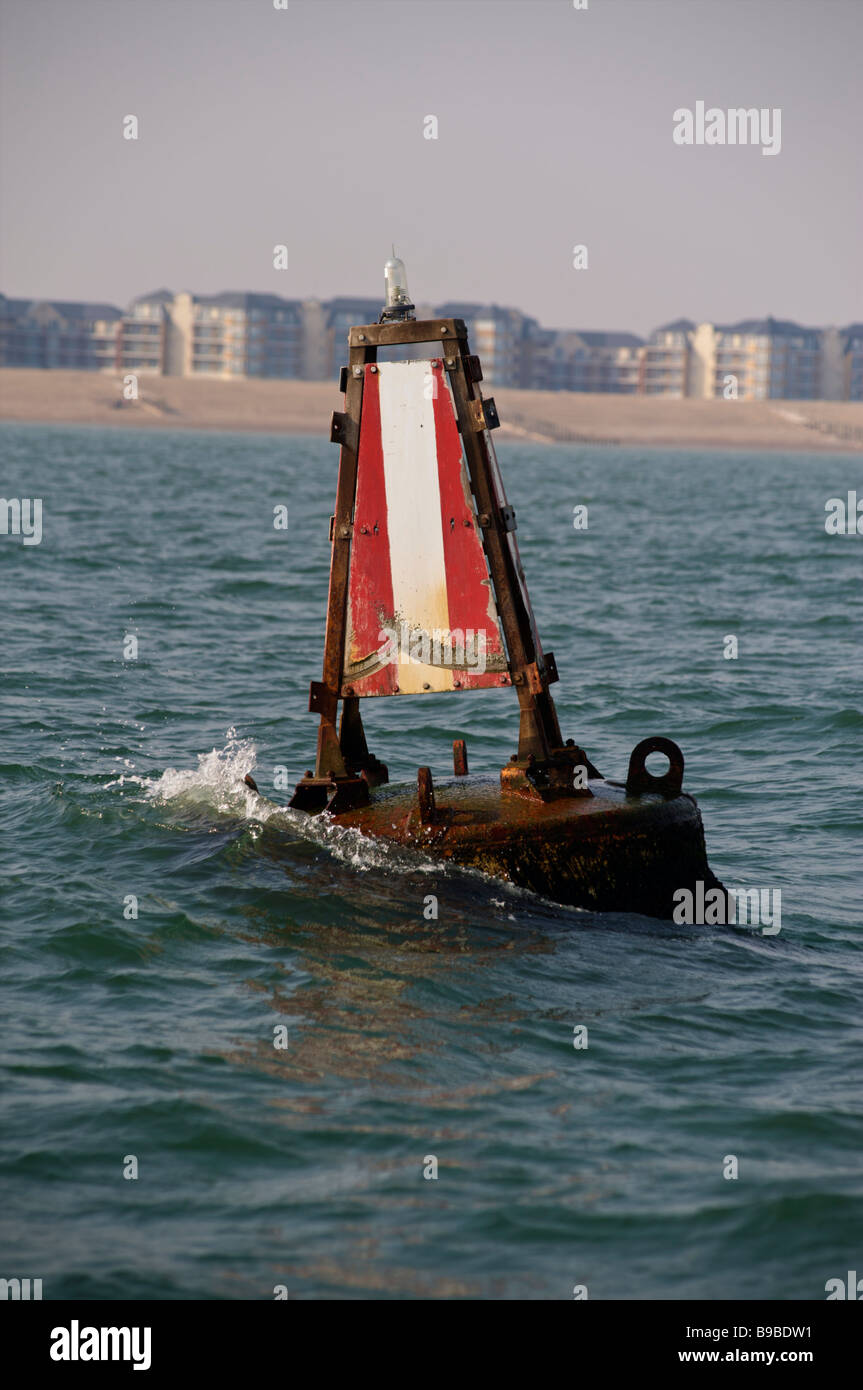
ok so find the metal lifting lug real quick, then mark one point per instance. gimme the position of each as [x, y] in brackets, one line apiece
[639, 778]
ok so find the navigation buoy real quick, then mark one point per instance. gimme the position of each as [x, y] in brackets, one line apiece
[427, 595]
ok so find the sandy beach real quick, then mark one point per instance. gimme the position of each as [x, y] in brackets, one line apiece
[305, 407]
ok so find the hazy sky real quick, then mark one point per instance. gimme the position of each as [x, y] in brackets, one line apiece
[305, 127]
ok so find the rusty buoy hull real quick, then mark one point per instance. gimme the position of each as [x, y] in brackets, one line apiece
[608, 852]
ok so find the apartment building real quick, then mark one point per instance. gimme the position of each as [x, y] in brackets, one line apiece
[584, 361]
[852, 362]
[142, 333]
[548, 359]
[55, 333]
[762, 359]
[665, 361]
[607, 362]
[235, 335]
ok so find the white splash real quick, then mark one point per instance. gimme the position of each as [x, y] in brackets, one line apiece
[216, 786]
[217, 781]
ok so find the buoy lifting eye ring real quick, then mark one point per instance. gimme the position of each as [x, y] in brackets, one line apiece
[639, 779]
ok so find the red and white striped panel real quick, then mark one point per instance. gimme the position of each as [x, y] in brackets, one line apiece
[420, 600]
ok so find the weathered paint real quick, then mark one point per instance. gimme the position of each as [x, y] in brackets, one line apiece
[417, 563]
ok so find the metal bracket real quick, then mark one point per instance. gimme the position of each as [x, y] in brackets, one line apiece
[477, 416]
[407, 331]
[322, 700]
[338, 427]
[534, 677]
[315, 794]
[373, 771]
[541, 781]
[577, 757]
[343, 380]
[507, 519]
[484, 415]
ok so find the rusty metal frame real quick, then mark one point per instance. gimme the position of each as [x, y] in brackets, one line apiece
[343, 758]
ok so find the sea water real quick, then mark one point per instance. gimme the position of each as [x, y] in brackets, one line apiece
[247, 1055]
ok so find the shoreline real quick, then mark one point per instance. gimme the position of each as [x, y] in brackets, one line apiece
[60, 397]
